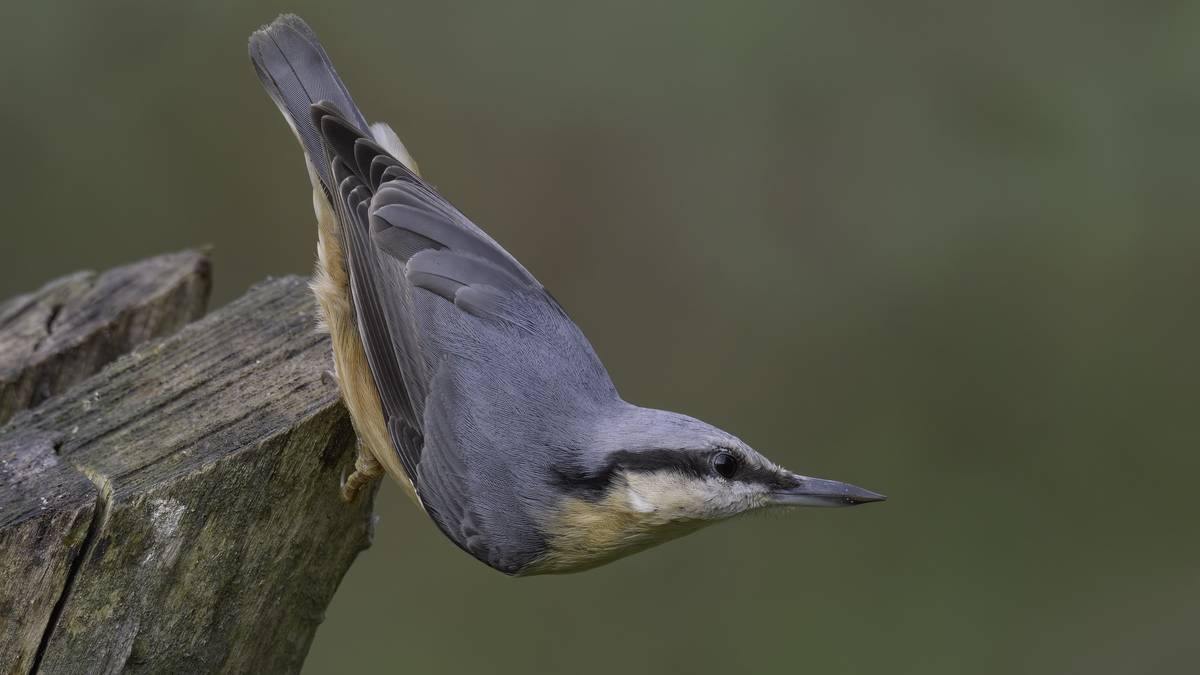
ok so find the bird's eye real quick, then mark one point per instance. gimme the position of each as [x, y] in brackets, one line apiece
[725, 464]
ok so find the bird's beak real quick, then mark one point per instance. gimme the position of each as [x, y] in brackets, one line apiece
[820, 492]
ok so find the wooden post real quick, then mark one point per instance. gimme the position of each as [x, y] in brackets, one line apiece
[179, 510]
[55, 337]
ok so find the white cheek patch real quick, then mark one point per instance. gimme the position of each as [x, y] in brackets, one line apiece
[639, 503]
[675, 496]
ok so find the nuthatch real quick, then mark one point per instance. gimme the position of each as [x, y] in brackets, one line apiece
[466, 380]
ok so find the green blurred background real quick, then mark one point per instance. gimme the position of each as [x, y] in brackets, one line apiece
[948, 253]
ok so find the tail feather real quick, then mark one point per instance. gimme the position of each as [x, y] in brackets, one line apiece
[296, 72]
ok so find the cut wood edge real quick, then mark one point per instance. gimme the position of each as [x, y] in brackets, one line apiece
[66, 331]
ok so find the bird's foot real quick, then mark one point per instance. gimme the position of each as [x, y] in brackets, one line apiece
[366, 469]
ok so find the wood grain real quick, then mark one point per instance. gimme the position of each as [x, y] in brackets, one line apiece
[73, 326]
[179, 511]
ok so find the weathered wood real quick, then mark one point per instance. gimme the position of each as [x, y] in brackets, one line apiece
[46, 508]
[71, 327]
[179, 511]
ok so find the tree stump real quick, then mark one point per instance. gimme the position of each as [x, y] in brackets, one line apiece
[177, 511]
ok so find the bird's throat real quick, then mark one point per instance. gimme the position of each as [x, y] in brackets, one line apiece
[584, 534]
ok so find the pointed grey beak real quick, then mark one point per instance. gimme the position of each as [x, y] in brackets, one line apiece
[820, 492]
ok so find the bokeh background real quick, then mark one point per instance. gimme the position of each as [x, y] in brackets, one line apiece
[946, 252]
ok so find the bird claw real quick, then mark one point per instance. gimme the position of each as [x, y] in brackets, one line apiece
[366, 469]
[350, 484]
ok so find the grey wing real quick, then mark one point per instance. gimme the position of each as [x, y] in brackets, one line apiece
[449, 320]
[382, 306]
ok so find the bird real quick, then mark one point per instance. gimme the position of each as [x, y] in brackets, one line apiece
[466, 380]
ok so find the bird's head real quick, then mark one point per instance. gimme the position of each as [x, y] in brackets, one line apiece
[657, 475]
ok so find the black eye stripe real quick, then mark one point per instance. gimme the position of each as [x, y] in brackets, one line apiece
[593, 485]
[683, 461]
[768, 477]
[693, 463]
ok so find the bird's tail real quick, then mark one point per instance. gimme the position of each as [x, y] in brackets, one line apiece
[296, 72]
